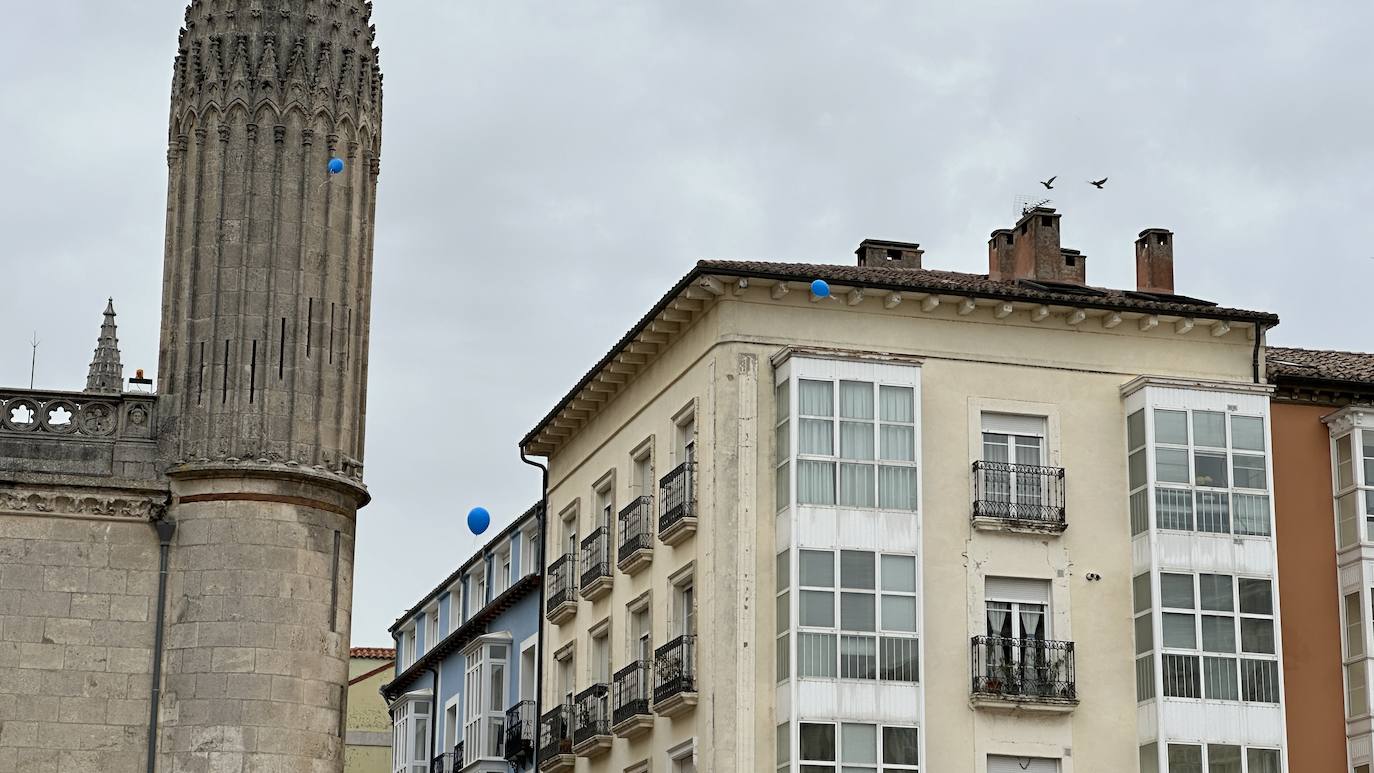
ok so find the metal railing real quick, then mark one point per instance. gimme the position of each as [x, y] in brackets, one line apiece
[519, 735]
[1024, 668]
[631, 692]
[443, 763]
[675, 668]
[562, 583]
[1019, 492]
[636, 527]
[592, 712]
[596, 556]
[555, 732]
[676, 499]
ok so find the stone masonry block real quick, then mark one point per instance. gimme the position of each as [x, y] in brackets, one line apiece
[237, 660]
[66, 631]
[86, 658]
[66, 578]
[90, 606]
[129, 608]
[41, 656]
[21, 577]
[89, 711]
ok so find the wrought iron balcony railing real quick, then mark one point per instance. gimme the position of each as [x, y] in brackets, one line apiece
[676, 497]
[519, 736]
[592, 713]
[636, 527]
[555, 732]
[1021, 669]
[675, 668]
[631, 692]
[443, 763]
[1021, 493]
[562, 583]
[596, 557]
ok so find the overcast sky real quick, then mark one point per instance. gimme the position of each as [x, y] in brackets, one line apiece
[549, 169]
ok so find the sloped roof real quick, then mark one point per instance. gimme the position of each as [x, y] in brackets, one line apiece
[1318, 364]
[372, 653]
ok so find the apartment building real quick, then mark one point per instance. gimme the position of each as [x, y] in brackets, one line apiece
[367, 738]
[1324, 484]
[466, 663]
[910, 519]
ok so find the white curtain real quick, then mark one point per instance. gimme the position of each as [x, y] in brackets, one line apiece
[897, 488]
[856, 440]
[856, 485]
[815, 482]
[856, 400]
[896, 404]
[897, 443]
[816, 436]
[816, 398]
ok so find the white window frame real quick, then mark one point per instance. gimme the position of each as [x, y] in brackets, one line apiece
[432, 634]
[837, 632]
[529, 551]
[477, 588]
[454, 704]
[455, 607]
[405, 714]
[483, 723]
[565, 672]
[641, 480]
[878, 765]
[1204, 753]
[1237, 657]
[1196, 492]
[600, 658]
[836, 458]
[501, 570]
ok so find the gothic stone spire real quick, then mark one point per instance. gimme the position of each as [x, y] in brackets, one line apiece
[106, 375]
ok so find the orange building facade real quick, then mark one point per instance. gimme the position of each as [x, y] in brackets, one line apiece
[1323, 441]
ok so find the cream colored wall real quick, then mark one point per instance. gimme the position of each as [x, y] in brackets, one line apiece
[722, 362]
[367, 713]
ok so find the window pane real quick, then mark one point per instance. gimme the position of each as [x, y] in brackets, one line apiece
[816, 568]
[1219, 675]
[1357, 692]
[816, 398]
[856, 485]
[1209, 469]
[1345, 469]
[1174, 509]
[899, 660]
[1218, 634]
[782, 482]
[857, 612]
[1256, 596]
[1214, 512]
[1179, 631]
[1354, 627]
[857, 568]
[1144, 679]
[899, 613]
[1249, 471]
[815, 482]
[1247, 433]
[1140, 591]
[1176, 590]
[898, 443]
[780, 398]
[899, 746]
[858, 743]
[1214, 592]
[784, 743]
[1251, 513]
[1135, 430]
[1223, 758]
[1171, 427]
[856, 400]
[816, 436]
[1171, 466]
[816, 655]
[897, 488]
[899, 573]
[1262, 760]
[1185, 759]
[858, 657]
[1136, 469]
[782, 575]
[896, 404]
[816, 609]
[1144, 634]
[817, 742]
[1209, 429]
[1257, 635]
[1259, 681]
[856, 440]
[782, 443]
[784, 658]
[782, 612]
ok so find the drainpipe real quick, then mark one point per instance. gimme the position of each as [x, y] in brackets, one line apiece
[434, 711]
[165, 530]
[1254, 361]
[543, 517]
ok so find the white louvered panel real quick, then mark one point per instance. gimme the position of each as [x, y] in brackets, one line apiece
[1147, 721]
[1140, 554]
[1207, 400]
[899, 533]
[858, 529]
[1222, 722]
[1263, 724]
[1017, 589]
[1014, 424]
[998, 763]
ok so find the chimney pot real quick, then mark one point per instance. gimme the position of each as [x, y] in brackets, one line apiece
[1154, 261]
[877, 253]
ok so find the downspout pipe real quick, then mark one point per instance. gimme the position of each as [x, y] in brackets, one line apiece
[1255, 360]
[434, 711]
[543, 517]
[165, 531]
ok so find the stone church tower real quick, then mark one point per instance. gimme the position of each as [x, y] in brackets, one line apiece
[267, 288]
[176, 569]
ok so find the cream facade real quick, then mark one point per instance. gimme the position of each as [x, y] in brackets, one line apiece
[912, 540]
[367, 740]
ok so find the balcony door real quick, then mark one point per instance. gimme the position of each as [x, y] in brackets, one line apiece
[1011, 443]
[1018, 622]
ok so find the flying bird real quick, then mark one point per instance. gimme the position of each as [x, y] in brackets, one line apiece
[1049, 184]
[1098, 183]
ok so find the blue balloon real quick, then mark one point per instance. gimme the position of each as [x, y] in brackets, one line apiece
[336, 165]
[820, 289]
[478, 519]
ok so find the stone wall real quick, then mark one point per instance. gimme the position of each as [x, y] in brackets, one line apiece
[77, 599]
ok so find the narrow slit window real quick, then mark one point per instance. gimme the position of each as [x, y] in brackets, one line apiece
[200, 375]
[281, 351]
[309, 326]
[253, 373]
[224, 387]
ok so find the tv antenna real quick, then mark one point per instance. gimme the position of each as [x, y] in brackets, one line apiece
[33, 362]
[1023, 204]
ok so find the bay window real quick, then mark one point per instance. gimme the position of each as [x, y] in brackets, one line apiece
[410, 735]
[1217, 632]
[862, 626]
[484, 699]
[1211, 472]
[855, 747]
[856, 444]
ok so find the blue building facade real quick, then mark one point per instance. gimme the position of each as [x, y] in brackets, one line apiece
[467, 663]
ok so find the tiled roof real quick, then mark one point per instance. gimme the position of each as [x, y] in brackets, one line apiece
[1316, 364]
[979, 285]
[372, 653]
[916, 280]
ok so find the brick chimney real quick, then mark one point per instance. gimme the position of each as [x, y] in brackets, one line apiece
[1073, 267]
[1154, 261]
[1031, 251]
[876, 253]
[1002, 254]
